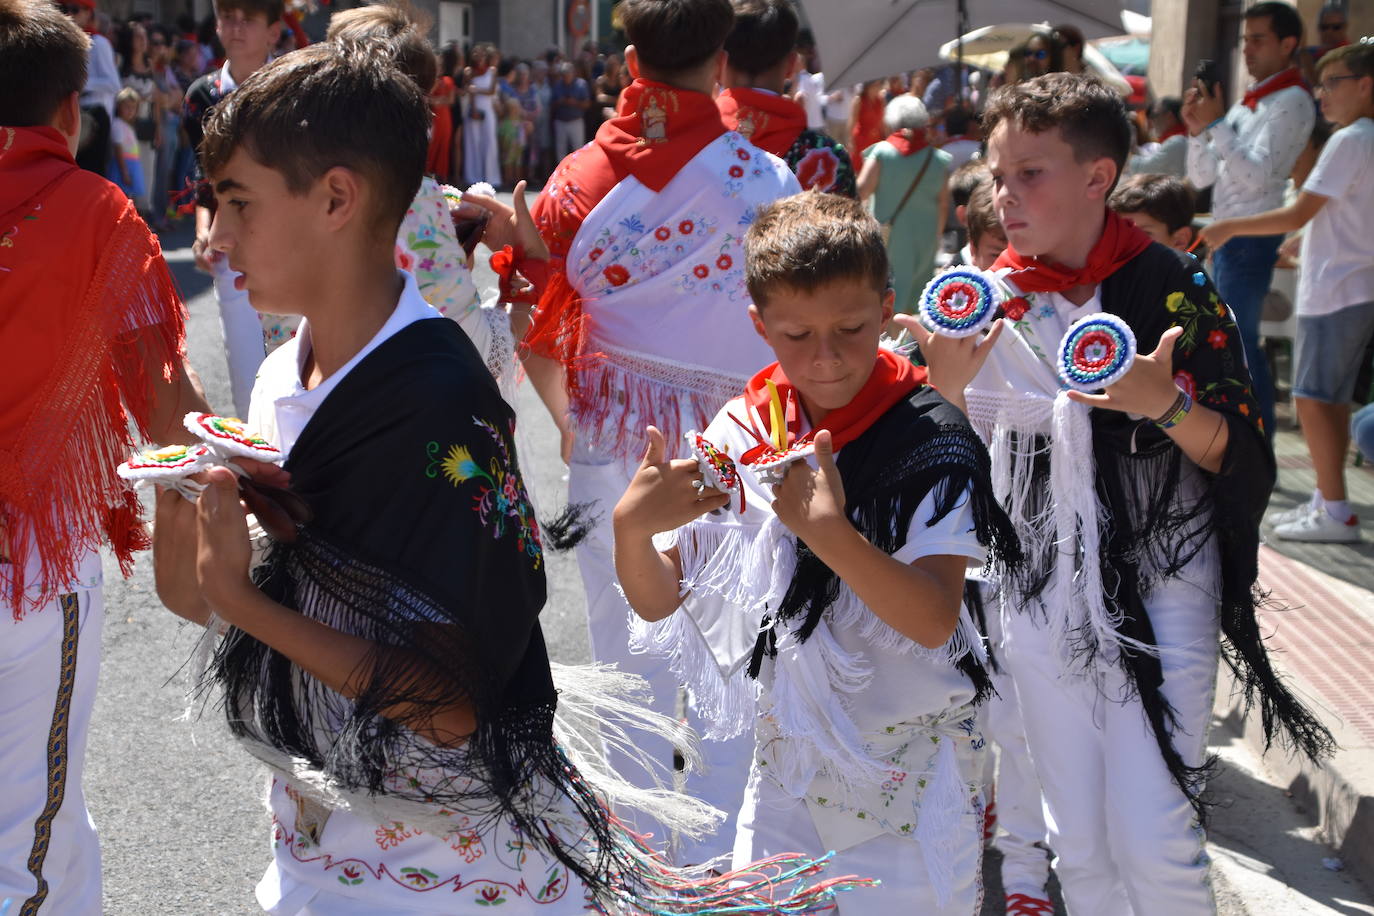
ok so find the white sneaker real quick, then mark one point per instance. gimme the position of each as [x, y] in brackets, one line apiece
[1289, 516]
[1318, 526]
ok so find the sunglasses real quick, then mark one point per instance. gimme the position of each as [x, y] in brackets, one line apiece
[1332, 26]
[1040, 54]
[1329, 83]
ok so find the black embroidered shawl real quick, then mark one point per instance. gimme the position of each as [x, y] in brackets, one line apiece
[922, 445]
[424, 542]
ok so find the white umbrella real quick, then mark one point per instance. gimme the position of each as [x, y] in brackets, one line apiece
[990, 46]
[862, 40]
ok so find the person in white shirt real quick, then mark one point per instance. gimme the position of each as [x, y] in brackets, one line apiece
[1335, 291]
[1245, 155]
[98, 95]
[809, 87]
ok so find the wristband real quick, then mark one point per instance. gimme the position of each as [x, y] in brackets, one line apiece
[1176, 412]
[1214, 124]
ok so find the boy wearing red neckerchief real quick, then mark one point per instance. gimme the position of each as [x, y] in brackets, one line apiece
[824, 613]
[94, 335]
[644, 319]
[761, 59]
[1138, 508]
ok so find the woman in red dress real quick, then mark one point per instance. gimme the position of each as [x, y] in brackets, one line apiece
[866, 119]
[441, 131]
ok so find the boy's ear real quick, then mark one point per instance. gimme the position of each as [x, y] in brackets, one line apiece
[794, 65]
[67, 120]
[889, 300]
[961, 215]
[1102, 175]
[274, 32]
[757, 318]
[1181, 238]
[345, 196]
[632, 61]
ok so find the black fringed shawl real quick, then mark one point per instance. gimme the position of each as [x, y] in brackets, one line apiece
[922, 445]
[1139, 481]
[423, 542]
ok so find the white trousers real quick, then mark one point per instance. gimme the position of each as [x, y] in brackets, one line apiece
[568, 136]
[49, 665]
[243, 346]
[771, 822]
[721, 783]
[1125, 838]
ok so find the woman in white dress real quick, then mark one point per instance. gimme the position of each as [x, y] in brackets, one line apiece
[481, 160]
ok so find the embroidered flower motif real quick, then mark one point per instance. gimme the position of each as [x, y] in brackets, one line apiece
[596, 253]
[743, 154]
[633, 224]
[419, 877]
[491, 896]
[404, 259]
[662, 233]
[1244, 409]
[616, 275]
[736, 172]
[701, 271]
[1217, 338]
[1016, 308]
[1200, 278]
[1174, 301]
[1185, 381]
[686, 227]
[352, 875]
[817, 169]
[724, 262]
[467, 845]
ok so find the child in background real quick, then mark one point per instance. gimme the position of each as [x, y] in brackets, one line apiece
[508, 136]
[1161, 206]
[986, 240]
[126, 164]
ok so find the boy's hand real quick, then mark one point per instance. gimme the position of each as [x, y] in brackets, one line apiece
[510, 225]
[224, 550]
[176, 543]
[810, 502]
[1217, 233]
[1202, 107]
[1147, 389]
[662, 495]
[951, 362]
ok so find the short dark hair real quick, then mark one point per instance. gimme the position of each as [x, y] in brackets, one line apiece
[1171, 104]
[966, 179]
[981, 214]
[764, 34]
[42, 61]
[810, 239]
[674, 36]
[957, 120]
[324, 106]
[1163, 197]
[274, 10]
[1283, 19]
[1090, 117]
[1358, 58]
[396, 31]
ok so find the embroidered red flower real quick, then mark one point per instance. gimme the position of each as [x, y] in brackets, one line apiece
[1245, 410]
[817, 169]
[701, 270]
[743, 154]
[736, 172]
[616, 275]
[1016, 308]
[686, 227]
[404, 260]
[724, 261]
[1217, 338]
[596, 253]
[1185, 381]
[662, 233]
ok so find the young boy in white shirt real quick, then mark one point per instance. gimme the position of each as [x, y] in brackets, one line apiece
[1335, 289]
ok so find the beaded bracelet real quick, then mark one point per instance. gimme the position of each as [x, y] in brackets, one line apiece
[1176, 412]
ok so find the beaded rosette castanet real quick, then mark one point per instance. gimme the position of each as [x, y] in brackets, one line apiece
[718, 469]
[960, 302]
[1097, 351]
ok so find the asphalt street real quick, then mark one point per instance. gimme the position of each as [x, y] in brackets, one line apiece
[181, 812]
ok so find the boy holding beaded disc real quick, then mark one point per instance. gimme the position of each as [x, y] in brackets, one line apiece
[1112, 626]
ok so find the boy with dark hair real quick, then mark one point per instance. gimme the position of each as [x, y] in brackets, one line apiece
[1161, 206]
[410, 728]
[963, 181]
[1245, 156]
[986, 240]
[1112, 627]
[644, 319]
[93, 334]
[249, 31]
[1168, 153]
[760, 59]
[838, 590]
[1335, 288]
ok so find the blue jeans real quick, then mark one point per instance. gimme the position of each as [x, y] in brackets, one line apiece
[1243, 270]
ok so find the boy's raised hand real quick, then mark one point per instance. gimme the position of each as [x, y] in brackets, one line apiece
[951, 362]
[662, 495]
[810, 501]
[1147, 389]
[510, 225]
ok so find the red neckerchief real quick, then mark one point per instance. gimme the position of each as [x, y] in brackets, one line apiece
[660, 129]
[78, 270]
[1288, 78]
[1120, 242]
[1177, 131]
[908, 145]
[766, 119]
[893, 378]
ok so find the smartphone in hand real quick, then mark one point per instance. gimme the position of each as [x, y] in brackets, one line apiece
[1208, 74]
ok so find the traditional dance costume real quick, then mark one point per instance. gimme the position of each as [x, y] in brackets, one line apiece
[864, 741]
[90, 310]
[1112, 627]
[648, 313]
[777, 124]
